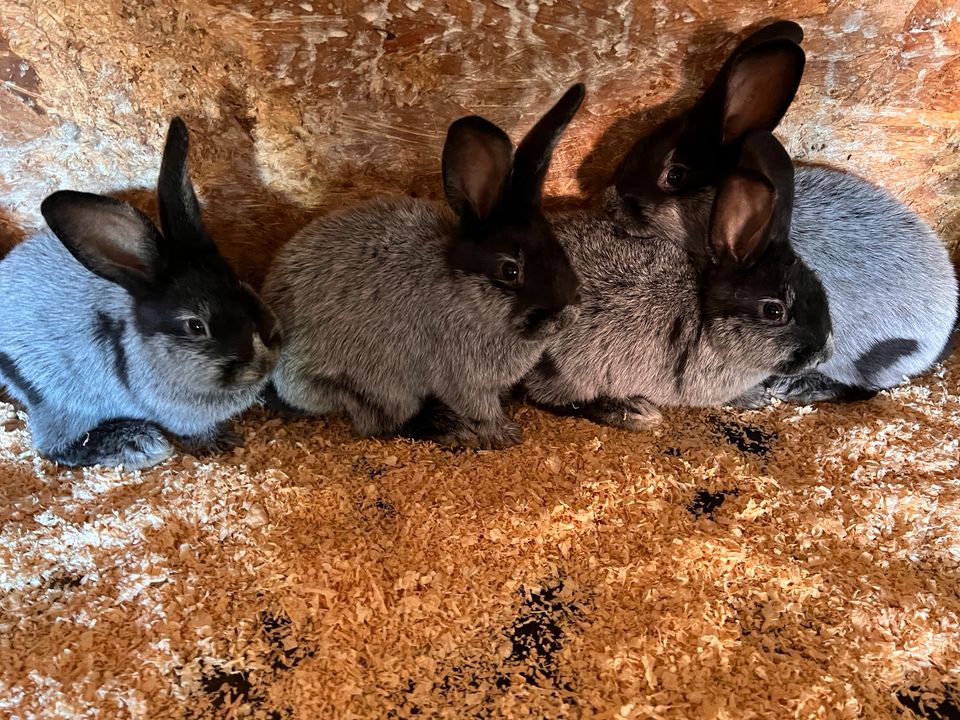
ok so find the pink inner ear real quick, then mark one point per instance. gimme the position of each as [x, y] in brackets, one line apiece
[742, 212]
[481, 184]
[123, 258]
[114, 244]
[758, 91]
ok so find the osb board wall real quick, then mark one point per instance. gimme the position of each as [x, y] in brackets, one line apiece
[297, 107]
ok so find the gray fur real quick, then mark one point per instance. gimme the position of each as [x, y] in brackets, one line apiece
[639, 335]
[53, 326]
[376, 322]
[670, 320]
[887, 275]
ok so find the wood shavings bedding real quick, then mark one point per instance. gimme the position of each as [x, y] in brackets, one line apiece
[789, 562]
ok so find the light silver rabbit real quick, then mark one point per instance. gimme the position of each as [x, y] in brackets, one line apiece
[113, 335]
[397, 304]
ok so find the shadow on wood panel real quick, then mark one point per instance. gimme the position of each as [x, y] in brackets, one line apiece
[248, 220]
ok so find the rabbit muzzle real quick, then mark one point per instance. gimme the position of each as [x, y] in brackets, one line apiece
[541, 323]
[808, 355]
[263, 360]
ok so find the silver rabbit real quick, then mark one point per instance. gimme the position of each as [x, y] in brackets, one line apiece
[397, 304]
[662, 326]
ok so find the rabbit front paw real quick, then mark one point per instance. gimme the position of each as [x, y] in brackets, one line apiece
[635, 414]
[755, 398]
[131, 443]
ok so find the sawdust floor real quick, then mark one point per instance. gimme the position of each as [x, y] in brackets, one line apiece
[791, 562]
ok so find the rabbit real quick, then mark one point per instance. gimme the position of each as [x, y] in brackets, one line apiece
[660, 326]
[695, 148]
[396, 304]
[890, 282]
[114, 336]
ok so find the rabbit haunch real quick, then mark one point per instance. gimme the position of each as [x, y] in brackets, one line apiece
[120, 334]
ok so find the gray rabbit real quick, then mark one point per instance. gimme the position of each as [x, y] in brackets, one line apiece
[888, 277]
[113, 334]
[396, 304]
[662, 326]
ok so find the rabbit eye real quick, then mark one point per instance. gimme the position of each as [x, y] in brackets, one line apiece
[673, 177]
[510, 271]
[196, 327]
[774, 311]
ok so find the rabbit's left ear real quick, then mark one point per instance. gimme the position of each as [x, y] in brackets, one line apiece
[180, 215]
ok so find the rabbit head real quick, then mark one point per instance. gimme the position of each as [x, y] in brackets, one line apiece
[666, 170]
[196, 320]
[503, 233]
[757, 294]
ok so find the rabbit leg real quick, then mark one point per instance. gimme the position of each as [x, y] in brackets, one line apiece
[753, 399]
[436, 421]
[271, 400]
[634, 413]
[814, 387]
[131, 443]
[474, 418]
[303, 392]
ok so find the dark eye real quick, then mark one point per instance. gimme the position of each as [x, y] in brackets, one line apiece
[774, 311]
[196, 327]
[510, 271]
[674, 176]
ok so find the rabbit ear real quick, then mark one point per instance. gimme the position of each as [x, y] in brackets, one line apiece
[180, 215]
[110, 238]
[759, 87]
[742, 210]
[533, 155]
[777, 30]
[476, 166]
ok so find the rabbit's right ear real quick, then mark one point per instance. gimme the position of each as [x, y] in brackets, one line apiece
[777, 30]
[477, 160]
[759, 88]
[742, 210]
[109, 237]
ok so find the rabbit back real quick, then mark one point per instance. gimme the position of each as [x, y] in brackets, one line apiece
[639, 330]
[890, 283]
[63, 334]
